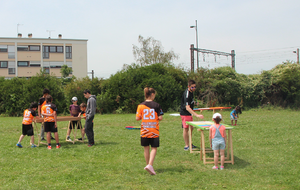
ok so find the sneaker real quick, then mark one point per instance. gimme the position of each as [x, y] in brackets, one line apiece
[69, 139]
[186, 148]
[58, 146]
[222, 168]
[52, 138]
[19, 145]
[193, 146]
[33, 146]
[91, 145]
[150, 169]
[43, 139]
[214, 168]
[49, 147]
[80, 139]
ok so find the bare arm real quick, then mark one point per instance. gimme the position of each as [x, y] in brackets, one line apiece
[138, 118]
[189, 109]
[55, 118]
[160, 117]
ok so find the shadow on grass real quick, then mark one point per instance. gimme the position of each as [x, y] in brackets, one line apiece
[178, 169]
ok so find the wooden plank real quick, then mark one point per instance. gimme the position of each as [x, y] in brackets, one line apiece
[61, 118]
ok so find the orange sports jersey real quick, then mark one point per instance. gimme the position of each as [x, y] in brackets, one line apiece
[42, 102]
[28, 116]
[149, 111]
[49, 108]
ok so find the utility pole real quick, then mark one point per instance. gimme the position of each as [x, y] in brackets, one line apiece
[196, 28]
[92, 74]
[192, 57]
[297, 52]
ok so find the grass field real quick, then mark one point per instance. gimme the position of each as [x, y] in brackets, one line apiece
[265, 143]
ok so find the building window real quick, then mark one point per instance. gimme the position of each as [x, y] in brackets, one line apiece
[3, 64]
[22, 48]
[11, 71]
[68, 52]
[47, 70]
[34, 48]
[52, 49]
[46, 52]
[23, 64]
[11, 52]
[59, 49]
[3, 48]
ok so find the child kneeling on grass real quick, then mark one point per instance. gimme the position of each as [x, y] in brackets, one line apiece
[217, 139]
[27, 128]
[150, 113]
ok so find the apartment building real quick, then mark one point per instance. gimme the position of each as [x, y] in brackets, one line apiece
[26, 56]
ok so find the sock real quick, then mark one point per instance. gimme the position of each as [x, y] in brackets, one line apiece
[49, 144]
[57, 143]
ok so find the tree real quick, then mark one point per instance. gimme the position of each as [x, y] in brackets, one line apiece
[65, 71]
[151, 52]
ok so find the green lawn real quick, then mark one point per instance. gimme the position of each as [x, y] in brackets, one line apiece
[265, 143]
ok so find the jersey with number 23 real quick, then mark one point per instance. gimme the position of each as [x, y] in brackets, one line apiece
[149, 111]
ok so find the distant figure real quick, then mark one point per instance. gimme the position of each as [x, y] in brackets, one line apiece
[50, 121]
[74, 111]
[150, 113]
[82, 113]
[27, 128]
[235, 114]
[42, 101]
[186, 111]
[90, 114]
[217, 139]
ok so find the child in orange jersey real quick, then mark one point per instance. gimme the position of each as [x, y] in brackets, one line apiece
[217, 138]
[150, 113]
[27, 128]
[49, 113]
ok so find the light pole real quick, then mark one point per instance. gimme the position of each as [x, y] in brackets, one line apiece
[196, 43]
[297, 52]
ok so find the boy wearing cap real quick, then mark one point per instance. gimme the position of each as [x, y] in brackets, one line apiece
[217, 139]
[74, 111]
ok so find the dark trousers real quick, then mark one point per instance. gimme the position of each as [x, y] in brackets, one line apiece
[89, 130]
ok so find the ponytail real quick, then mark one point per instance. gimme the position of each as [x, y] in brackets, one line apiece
[148, 91]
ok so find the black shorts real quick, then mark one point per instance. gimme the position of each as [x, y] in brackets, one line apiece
[50, 127]
[154, 142]
[27, 130]
[74, 124]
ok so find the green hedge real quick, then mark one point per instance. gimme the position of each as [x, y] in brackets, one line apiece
[123, 91]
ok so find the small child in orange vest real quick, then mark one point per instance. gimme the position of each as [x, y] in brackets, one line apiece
[27, 128]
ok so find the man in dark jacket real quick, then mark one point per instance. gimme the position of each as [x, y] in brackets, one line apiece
[90, 113]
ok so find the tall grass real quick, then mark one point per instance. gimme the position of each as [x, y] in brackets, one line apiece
[265, 144]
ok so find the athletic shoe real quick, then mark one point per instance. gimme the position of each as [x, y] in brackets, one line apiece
[49, 147]
[43, 139]
[186, 148]
[214, 168]
[193, 146]
[91, 145]
[222, 168]
[33, 146]
[69, 139]
[80, 139]
[58, 146]
[150, 169]
[19, 145]
[52, 138]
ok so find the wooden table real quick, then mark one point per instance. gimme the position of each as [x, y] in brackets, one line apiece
[204, 126]
[62, 118]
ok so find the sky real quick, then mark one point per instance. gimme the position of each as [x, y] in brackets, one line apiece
[263, 33]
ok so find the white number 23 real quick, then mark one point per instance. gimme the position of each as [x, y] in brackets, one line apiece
[149, 114]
